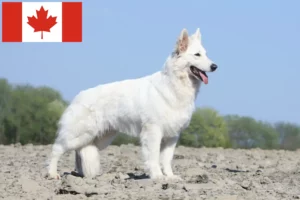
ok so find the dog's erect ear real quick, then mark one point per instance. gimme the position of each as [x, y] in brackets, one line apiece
[182, 42]
[197, 33]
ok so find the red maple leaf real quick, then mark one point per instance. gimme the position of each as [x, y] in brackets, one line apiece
[41, 23]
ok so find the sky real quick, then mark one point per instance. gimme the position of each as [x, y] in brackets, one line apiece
[256, 45]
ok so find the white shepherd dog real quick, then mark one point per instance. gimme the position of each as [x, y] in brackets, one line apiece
[156, 108]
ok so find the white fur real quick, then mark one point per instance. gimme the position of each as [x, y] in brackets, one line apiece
[155, 108]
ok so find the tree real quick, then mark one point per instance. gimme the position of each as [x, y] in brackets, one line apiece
[33, 114]
[122, 138]
[289, 135]
[5, 98]
[246, 132]
[207, 128]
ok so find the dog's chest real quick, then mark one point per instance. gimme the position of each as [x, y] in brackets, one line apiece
[176, 120]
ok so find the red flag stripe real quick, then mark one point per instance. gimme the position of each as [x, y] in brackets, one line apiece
[11, 21]
[72, 21]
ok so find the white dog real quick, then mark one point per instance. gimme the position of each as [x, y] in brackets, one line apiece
[157, 108]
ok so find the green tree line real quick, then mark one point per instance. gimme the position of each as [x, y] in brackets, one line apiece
[30, 114]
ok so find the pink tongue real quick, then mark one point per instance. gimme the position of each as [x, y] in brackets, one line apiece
[204, 78]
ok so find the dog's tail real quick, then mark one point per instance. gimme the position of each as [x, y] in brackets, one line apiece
[87, 161]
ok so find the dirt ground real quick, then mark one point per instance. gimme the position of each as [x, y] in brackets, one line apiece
[207, 173]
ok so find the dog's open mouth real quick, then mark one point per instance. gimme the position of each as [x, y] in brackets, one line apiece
[199, 74]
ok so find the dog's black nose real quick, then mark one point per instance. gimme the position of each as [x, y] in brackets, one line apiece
[213, 67]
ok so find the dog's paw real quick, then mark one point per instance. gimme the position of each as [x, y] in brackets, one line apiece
[52, 176]
[174, 178]
[158, 177]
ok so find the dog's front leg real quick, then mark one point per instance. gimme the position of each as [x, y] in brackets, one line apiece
[151, 136]
[167, 151]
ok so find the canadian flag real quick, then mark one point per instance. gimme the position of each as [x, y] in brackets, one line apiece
[41, 21]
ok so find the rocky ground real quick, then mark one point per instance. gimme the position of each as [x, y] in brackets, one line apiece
[207, 174]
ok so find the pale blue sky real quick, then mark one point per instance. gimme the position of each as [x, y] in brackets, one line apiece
[256, 45]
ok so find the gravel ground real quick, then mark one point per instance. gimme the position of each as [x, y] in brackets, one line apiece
[208, 173]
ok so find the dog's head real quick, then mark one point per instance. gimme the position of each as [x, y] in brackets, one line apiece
[191, 56]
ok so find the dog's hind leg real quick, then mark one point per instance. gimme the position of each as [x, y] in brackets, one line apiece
[63, 145]
[87, 161]
[88, 158]
[57, 151]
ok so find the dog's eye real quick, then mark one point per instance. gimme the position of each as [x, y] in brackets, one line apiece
[197, 54]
